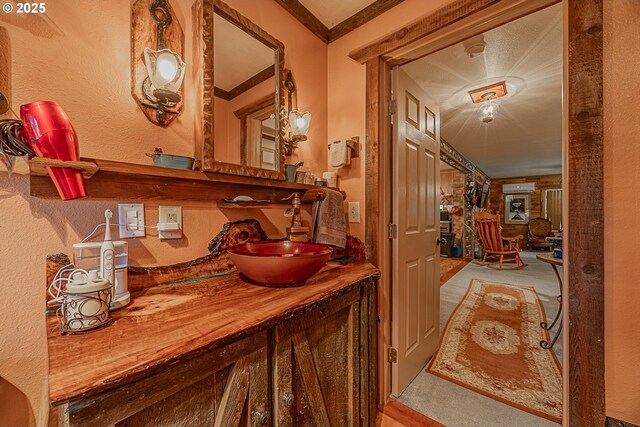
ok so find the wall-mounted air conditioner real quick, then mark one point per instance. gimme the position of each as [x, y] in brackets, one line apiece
[525, 187]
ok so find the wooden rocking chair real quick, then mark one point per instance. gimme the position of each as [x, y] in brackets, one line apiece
[496, 246]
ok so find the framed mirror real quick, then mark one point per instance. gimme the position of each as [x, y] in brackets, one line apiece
[243, 95]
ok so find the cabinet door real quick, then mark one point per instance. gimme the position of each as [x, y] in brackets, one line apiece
[317, 366]
[223, 388]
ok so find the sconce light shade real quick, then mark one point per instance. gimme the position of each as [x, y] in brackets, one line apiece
[299, 122]
[166, 72]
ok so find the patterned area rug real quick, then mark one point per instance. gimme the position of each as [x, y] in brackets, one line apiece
[491, 345]
[449, 267]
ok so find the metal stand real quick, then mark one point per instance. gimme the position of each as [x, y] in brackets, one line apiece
[545, 344]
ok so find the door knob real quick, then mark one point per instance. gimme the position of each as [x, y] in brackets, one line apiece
[262, 418]
[441, 241]
[288, 400]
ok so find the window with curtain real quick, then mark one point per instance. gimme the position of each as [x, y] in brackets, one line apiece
[553, 207]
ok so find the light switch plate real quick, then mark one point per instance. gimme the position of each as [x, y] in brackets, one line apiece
[168, 217]
[131, 218]
[354, 212]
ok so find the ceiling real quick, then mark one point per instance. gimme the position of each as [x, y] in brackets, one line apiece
[333, 12]
[238, 56]
[332, 19]
[526, 136]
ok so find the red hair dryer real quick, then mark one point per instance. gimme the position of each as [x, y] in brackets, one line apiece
[48, 130]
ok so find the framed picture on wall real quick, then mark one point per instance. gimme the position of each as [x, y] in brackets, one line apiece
[516, 208]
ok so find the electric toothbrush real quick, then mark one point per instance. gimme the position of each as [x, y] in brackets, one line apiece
[107, 251]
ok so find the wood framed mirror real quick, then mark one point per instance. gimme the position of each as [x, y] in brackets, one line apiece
[242, 78]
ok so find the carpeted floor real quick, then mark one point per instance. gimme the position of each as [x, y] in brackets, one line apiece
[457, 406]
[449, 267]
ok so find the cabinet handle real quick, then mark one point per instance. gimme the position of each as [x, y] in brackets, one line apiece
[288, 400]
[262, 418]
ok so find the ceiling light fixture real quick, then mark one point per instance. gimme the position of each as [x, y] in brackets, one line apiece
[486, 97]
[489, 108]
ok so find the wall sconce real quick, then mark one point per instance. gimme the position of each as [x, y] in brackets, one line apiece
[297, 122]
[157, 75]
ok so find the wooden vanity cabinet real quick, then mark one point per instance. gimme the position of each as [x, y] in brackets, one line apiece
[314, 367]
[228, 386]
[323, 365]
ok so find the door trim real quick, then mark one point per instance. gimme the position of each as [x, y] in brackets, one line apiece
[584, 388]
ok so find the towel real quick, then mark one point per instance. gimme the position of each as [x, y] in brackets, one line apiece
[338, 154]
[329, 226]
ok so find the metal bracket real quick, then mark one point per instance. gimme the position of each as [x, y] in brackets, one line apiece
[393, 355]
[392, 231]
[393, 107]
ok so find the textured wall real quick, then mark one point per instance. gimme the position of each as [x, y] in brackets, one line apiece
[347, 88]
[79, 55]
[621, 201]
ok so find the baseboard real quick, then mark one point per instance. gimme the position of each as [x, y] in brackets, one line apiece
[612, 422]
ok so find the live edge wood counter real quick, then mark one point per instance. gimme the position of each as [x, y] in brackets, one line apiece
[224, 352]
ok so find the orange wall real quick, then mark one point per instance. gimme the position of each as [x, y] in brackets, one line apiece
[347, 79]
[621, 200]
[89, 44]
[79, 55]
[227, 128]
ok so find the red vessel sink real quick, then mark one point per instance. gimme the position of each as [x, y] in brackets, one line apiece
[281, 262]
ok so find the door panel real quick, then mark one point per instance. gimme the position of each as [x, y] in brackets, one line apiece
[412, 164]
[416, 290]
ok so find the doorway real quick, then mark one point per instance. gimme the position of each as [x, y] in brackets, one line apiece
[582, 148]
[480, 98]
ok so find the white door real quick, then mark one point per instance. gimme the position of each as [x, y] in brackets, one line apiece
[415, 328]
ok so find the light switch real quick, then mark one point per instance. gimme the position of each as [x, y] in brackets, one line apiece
[131, 220]
[354, 212]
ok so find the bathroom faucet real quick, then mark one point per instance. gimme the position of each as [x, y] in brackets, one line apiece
[297, 232]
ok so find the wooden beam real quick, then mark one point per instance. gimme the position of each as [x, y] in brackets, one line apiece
[378, 164]
[221, 93]
[376, 8]
[306, 18]
[309, 374]
[257, 105]
[252, 81]
[441, 18]
[585, 231]
[234, 396]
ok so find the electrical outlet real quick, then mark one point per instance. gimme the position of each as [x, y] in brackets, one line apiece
[354, 212]
[170, 222]
[131, 220]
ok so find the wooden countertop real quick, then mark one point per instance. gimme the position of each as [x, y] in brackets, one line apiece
[167, 324]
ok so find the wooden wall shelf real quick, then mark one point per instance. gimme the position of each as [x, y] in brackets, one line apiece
[226, 205]
[133, 182]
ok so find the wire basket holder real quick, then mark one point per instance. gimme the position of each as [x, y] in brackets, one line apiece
[81, 312]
